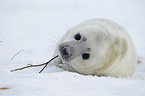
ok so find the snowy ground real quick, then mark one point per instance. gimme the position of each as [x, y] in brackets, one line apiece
[34, 26]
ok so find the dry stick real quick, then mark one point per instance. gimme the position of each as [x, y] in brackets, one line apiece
[16, 54]
[29, 65]
[47, 63]
[36, 65]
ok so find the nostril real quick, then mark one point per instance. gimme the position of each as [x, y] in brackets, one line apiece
[65, 51]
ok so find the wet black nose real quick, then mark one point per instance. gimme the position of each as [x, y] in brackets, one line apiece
[65, 52]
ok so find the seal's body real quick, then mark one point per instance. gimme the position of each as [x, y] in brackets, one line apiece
[97, 47]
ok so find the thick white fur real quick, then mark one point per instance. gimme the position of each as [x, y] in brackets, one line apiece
[112, 51]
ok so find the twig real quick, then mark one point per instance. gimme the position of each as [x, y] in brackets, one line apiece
[30, 65]
[47, 63]
[16, 54]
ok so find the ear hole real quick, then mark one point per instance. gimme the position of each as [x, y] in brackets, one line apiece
[84, 39]
[89, 49]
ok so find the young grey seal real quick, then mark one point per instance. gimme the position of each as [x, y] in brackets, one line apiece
[97, 47]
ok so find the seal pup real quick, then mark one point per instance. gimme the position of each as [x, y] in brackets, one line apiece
[97, 47]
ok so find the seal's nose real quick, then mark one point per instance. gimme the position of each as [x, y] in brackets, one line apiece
[65, 52]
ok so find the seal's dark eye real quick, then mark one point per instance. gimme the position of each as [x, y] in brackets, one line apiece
[77, 36]
[86, 56]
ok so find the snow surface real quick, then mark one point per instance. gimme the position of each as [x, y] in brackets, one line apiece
[35, 26]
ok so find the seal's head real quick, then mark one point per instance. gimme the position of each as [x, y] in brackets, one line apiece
[84, 48]
[98, 47]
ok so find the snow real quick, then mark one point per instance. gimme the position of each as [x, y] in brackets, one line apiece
[35, 27]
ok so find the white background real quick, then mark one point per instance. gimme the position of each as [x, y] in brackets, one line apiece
[35, 26]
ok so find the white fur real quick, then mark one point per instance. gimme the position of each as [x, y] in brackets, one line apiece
[112, 51]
